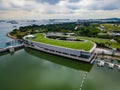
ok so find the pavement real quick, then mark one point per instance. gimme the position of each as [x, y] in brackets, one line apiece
[107, 51]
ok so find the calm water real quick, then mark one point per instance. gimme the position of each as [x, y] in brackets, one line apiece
[7, 27]
[29, 69]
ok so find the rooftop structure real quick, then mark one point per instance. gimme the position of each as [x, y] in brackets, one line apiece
[83, 45]
[80, 50]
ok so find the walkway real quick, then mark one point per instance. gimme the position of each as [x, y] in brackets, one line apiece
[107, 51]
[7, 48]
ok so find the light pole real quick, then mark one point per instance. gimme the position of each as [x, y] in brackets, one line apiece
[103, 53]
[113, 53]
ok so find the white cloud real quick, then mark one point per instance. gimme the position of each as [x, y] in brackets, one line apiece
[32, 9]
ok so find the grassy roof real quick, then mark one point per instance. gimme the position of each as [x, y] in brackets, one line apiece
[87, 45]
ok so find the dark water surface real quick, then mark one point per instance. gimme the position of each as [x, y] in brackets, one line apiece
[29, 69]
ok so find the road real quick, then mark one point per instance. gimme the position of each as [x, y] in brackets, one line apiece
[107, 51]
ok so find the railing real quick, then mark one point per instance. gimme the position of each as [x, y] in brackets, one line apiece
[62, 54]
[7, 48]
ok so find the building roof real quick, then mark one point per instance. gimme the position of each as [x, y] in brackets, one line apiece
[85, 46]
[30, 36]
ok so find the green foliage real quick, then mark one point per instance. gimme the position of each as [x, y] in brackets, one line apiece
[102, 42]
[64, 27]
[86, 23]
[19, 36]
[32, 29]
[104, 36]
[88, 31]
[95, 25]
[117, 39]
[111, 27]
[69, 44]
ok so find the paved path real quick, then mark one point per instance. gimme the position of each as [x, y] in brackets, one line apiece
[7, 48]
[106, 51]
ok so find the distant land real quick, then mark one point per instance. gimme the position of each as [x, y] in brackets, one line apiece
[2, 20]
[112, 18]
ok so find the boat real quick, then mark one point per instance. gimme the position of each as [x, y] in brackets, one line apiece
[118, 67]
[101, 63]
[111, 65]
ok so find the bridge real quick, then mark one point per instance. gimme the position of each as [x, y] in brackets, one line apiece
[11, 48]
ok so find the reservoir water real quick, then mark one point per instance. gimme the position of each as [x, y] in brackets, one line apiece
[29, 69]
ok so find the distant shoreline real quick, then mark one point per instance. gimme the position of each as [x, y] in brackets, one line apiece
[8, 35]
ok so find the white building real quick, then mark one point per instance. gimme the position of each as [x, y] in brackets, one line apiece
[81, 55]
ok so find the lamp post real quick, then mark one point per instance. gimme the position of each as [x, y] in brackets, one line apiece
[113, 53]
[103, 53]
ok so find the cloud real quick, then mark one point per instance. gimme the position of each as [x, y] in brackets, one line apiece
[58, 8]
[48, 1]
[104, 5]
[74, 0]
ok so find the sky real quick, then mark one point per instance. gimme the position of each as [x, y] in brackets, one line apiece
[59, 9]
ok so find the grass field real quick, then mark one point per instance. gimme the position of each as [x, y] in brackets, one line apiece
[107, 42]
[87, 45]
[111, 27]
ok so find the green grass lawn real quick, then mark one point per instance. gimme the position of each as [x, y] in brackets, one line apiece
[104, 41]
[111, 27]
[87, 45]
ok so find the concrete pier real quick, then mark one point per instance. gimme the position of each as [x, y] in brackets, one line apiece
[11, 48]
[110, 65]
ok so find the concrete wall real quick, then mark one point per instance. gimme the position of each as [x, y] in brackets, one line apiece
[58, 49]
[68, 51]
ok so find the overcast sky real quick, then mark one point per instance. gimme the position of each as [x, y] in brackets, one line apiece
[46, 9]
